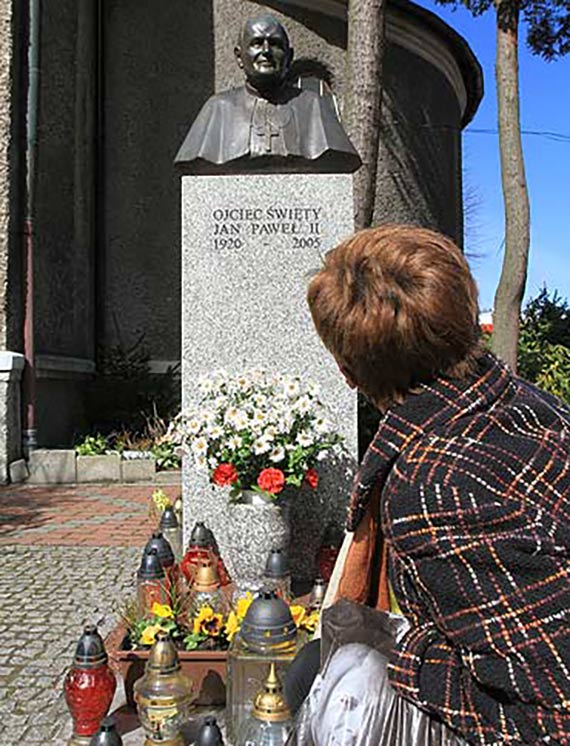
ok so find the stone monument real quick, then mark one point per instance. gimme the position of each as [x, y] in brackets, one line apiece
[266, 191]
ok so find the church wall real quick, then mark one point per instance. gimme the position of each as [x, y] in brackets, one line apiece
[419, 172]
[65, 217]
[63, 266]
[158, 72]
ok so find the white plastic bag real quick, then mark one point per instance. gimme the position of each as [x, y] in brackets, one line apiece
[351, 702]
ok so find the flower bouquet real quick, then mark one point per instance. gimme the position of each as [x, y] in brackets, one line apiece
[256, 431]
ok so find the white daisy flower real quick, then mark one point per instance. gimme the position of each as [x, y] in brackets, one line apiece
[321, 455]
[243, 383]
[193, 425]
[277, 454]
[322, 426]
[291, 387]
[303, 404]
[200, 446]
[208, 416]
[230, 415]
[270, 432]
[234, 442]
[241, 420]
[261, 446]
[305, 439]
[215, 432]
[259, 417]
[259, 400]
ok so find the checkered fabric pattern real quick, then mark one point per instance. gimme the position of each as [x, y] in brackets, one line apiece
[475, 509]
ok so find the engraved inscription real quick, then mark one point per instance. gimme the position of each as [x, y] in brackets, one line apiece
[232, 226]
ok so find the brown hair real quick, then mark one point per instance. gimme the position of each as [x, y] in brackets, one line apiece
[397, 305]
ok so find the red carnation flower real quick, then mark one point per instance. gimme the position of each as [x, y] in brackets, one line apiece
[312, 478]
[225, 474]
[271, 480]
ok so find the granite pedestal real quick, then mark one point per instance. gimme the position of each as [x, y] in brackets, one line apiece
[249, 245]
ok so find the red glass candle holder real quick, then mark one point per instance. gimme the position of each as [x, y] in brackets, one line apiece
[89, 687]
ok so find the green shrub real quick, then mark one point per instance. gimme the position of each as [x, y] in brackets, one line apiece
[92, 445]
[544, 344]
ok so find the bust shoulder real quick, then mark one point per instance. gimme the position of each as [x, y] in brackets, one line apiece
[231, 97]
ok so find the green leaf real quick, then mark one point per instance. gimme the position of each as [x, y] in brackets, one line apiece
[192, 641]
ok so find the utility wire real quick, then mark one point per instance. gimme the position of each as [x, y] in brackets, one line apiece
[555, 136]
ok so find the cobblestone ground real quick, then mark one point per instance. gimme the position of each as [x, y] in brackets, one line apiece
[67, 555]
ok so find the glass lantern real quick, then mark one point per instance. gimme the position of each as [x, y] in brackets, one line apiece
[277, 576]
[268, 635]
[318, 592]
[172, 531]
[203, 547]
[151, 583]
[270, 721]
[206, 591]
[163, 695]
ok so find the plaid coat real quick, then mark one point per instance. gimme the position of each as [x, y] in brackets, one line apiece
[475, 510]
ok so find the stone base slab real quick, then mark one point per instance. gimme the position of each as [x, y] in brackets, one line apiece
[18, 471]
[105, 468]
[141, 470]
[51, 466]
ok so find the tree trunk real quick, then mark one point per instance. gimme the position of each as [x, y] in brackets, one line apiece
[363, 97]
[510, 289]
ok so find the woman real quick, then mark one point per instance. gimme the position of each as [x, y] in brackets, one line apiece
[461, 507]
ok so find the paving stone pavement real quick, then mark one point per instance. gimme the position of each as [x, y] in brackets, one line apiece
[49, 593]
[67, 556]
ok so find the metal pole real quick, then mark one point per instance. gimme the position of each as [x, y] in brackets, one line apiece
[29, 382]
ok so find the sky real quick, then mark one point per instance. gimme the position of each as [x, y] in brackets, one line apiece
[545, 107]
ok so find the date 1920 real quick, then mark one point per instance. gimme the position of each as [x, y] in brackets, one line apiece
[236, 243]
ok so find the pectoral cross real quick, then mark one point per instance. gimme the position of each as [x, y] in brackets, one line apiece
[265, 132]
[270, 132]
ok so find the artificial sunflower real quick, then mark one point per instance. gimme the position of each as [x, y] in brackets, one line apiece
[163, 611]
[232, 626]
[310, 621]
[207, 622]
[298, 613]
[148, 636]
[243, 604]
[205, 614]
[212, 627]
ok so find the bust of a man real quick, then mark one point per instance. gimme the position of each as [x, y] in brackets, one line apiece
[267, 119]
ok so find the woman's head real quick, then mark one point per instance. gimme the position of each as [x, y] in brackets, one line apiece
[396, 305]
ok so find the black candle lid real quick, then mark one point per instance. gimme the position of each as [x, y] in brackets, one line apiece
[163, 548]
[169, 519]
[209, 733]
[90, 650]
[201, 536]
[277, 565]
[150, 567]
[107, 734]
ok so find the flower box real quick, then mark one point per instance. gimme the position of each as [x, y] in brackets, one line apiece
[206, 668]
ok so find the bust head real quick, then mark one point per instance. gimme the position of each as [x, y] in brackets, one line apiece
[264, 53]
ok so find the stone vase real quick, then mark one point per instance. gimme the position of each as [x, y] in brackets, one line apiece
[256, 525]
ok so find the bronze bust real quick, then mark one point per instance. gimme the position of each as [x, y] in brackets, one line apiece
[268, 120]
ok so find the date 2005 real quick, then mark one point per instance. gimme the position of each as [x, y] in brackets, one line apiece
[299, 242]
